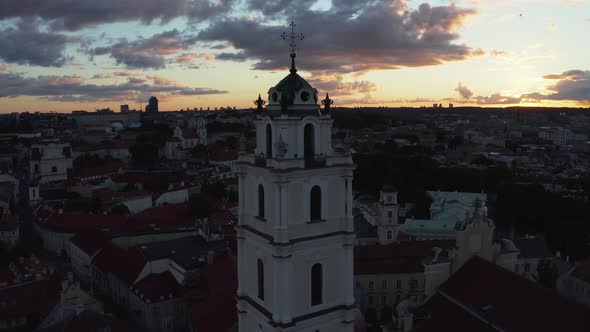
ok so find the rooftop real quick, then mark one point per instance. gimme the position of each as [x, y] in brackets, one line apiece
[482, 296]
[185, 251]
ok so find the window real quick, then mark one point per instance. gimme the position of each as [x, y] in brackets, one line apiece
[371, 284]
[315, 204]
[316, 284]
[357, 284]
[370, 299]
[36, 168]
[260, 279]
[516, 268]
[308, 141]
[389, 198]
[397, 298]
[398, 284]
[527, 267]
[413, 284]
[383, 299]
[268, 141]
[389, 214]
[384, 284]
[54, 169]
[390, 235]
[260, 201]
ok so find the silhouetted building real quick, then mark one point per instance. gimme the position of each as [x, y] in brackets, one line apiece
[152, 105]
[124, 108]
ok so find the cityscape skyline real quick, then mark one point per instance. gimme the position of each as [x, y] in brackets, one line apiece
[212, 54]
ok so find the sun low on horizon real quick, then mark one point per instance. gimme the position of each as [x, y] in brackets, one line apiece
[219, 53]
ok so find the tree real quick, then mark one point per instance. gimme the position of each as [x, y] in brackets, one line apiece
[120, 209]
[201, 205]
[215, 189]
[548, 273]
[386, 314]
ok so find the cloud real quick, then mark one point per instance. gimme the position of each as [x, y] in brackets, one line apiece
[190, 57]
[496, 52]
[74, 15]
[497, 99]
[336, 86]
[571, 85]
[570, 74]
[74, 88]
[464, 91]
[367, 36]
[25, 44]
[145, 53]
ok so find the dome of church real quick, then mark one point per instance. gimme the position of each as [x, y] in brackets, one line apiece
[293, 88]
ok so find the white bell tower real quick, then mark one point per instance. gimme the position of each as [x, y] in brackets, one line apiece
[295, 231]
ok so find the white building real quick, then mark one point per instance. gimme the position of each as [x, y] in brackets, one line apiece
[295, 232]
[9, 234]
[575, 284]
[50, 160]
[200, 124]
[449, 212]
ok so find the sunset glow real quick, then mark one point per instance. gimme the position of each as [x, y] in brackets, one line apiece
[200, 54]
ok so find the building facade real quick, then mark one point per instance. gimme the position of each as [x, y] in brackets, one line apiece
[50, 160]
[295, 232]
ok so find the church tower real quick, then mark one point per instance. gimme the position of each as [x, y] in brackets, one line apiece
[388, 223]
[295, 230]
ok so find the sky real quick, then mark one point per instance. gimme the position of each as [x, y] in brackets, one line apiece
[64, 55]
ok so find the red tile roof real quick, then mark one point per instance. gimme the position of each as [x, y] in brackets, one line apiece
[171, 214]
[158, 287]
[71, 222]
[90, 241]
[582, 271]
[109, 168]
[91, 322]
[222, 282]
[8, 223]
[404, 257]
[221, 153]
[36, 297]
[189, 133]
[125, 264]
[505, 299]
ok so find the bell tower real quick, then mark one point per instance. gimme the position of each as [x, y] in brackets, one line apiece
[295, 229]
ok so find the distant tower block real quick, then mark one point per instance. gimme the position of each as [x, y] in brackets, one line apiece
[327, 103]
[259, 104]
[152, 105]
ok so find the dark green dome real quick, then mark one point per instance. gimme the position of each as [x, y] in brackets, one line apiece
[289, 86]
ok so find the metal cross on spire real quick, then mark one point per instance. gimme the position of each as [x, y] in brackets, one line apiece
[293, 43]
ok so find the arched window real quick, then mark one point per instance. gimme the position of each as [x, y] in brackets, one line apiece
[315, 204]
[268, 141]
[260, 201]
[308, 141]
[316, 284]
[260, 279]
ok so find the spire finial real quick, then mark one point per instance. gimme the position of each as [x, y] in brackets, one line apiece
[292, 37]
[327, 103]
[259, 103]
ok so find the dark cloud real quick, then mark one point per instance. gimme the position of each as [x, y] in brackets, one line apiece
[149, 52]
[354, 36]
[74, 87]
[238, 57]
[26, 44]
[570, 74]
[74, 15]
[464, 91]
[571, 85]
